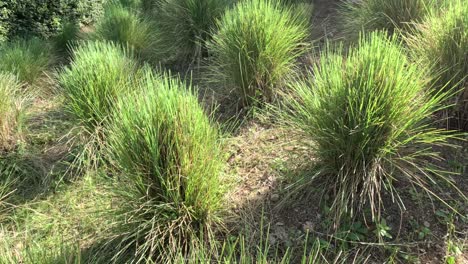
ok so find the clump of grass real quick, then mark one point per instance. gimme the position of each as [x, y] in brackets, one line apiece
[441, 41]
[390, 15]
[169, 154]
[134, 4]
[67, 35]
[98, 74]
[128, 28]
[7, 182]
[28, 59]
[256, 48]
[186, 25]
[12, 107]
[368, 117]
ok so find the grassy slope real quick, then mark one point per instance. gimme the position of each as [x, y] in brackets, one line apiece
[51, 218]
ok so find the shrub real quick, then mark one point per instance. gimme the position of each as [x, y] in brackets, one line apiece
[169, 154]
[4, 22]
[98, 74]
[441, 41]
[11, 111]
[368, 118]
[126, 27]
[256, 47]
[45, 18]
[186, 25]
[28, 59]
[390, 15]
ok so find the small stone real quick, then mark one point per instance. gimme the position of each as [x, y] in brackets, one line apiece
[307, 226]
[280, 224]
[426, 224]
[289, 148]
[274, 197]
[272, 240]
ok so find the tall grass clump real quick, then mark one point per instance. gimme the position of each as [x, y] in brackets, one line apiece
[169, 155]
[368, 117]
[256, 47]
[390, 15]
[129, 28]
[66, 36]
[133, 4]
[27, 59]
[441, 42]
[98, 74]
[187, 25]
[12, 107]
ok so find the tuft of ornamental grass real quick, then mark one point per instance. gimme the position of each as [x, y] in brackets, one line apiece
[187, 25]
[129, 28]
[133, 4]
[168, 152]
[67, 35]
[98, 74]
[256, 48]
[28, 59]
[441, 42]
[389, 15]
[368, 118]
[12, 107]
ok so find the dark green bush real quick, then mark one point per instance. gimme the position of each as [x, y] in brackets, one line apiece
[44, 18]
[5, 14]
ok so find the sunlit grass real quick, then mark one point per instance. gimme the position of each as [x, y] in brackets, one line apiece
[441, 42]
[186, 25]
[256, 47]
[390, 15]
[368, 115]
[98, 74]
[28, 59]
[127, 27]
[12, 110]
[168, 152]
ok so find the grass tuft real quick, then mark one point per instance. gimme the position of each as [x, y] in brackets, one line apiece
[127, 27]
[28, 59]
[187, 25]
[256, 48]
[98, 74]
[169, 155]
[441, 42]
[368, 117]
[12, 107]
[390, 15]
[67, 35]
